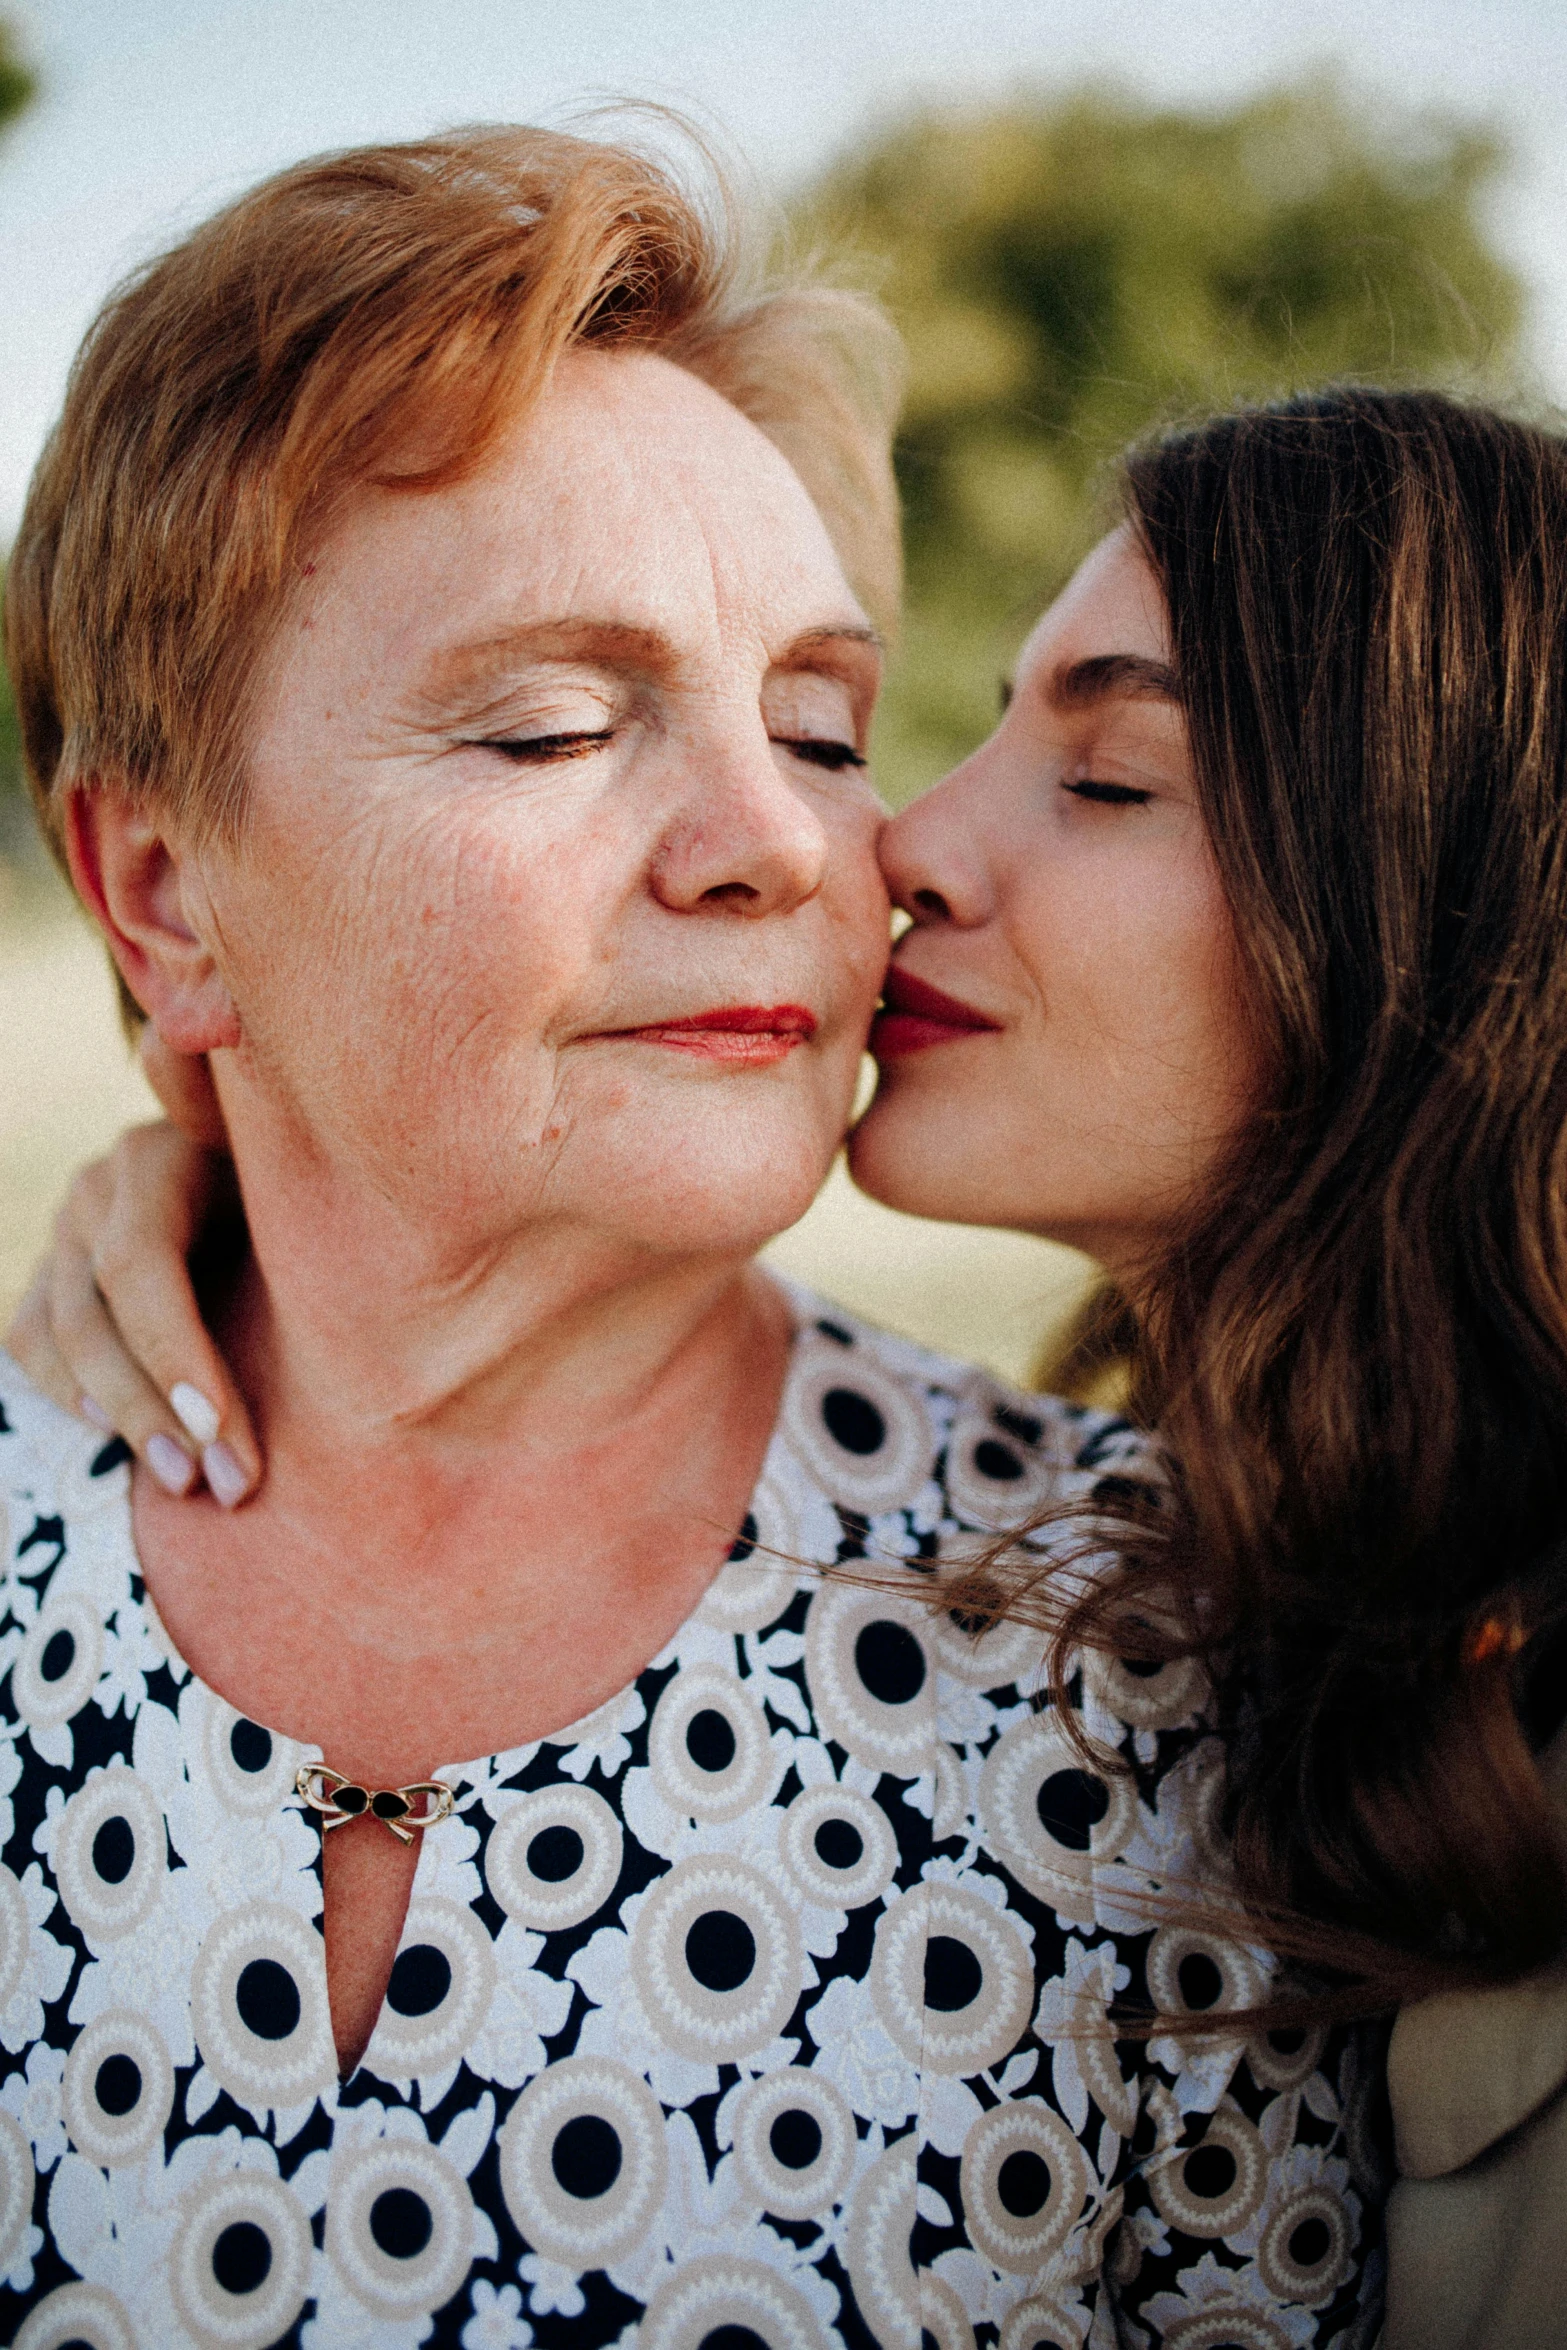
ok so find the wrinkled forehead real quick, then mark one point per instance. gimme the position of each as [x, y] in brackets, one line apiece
[630, 490]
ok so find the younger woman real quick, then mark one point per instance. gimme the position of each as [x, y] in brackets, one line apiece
[1318, 677]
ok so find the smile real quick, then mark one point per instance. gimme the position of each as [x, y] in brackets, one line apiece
[752, 1034]
[916, 1015]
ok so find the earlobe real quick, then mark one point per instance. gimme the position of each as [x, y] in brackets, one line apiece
[138, 882]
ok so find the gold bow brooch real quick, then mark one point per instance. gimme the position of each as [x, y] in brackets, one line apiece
[339, 1800]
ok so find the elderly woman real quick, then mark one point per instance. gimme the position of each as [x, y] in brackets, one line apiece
[496, 1871]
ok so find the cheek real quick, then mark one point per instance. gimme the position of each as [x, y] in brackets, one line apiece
[1140, 980]
[1120, 1072]
[390, 953]
[860, 912]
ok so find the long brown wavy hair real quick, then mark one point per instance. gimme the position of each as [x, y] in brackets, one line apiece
[1355, 1351]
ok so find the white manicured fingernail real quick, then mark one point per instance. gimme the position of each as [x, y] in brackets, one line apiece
[226, 1480]
[170, 1463]
[94, 1414]
[193, 1412]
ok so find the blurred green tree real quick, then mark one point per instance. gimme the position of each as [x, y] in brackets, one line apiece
[16, 87]
[17, 82]
[1069, 274]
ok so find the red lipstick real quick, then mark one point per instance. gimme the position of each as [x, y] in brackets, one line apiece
[752, 1034]
[916, 1015]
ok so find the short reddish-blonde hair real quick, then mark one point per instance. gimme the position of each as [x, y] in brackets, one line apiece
[378, 317]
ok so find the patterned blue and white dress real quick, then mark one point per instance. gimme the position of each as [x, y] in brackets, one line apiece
[763, 2009]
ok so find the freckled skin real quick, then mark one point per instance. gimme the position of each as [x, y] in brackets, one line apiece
[511, 1366]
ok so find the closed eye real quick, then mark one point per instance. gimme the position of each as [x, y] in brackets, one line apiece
[1110, 795]
[540, 749]
[833, 756]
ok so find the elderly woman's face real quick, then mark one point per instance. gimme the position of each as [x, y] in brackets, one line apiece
[557, 894]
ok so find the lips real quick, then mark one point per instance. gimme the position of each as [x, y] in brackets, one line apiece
[917, 1015]
[752, 1034]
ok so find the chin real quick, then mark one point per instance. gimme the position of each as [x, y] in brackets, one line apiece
[954, 1168]
[725, 1213]
[920, 1164]
[738, 1176]
[752, 1154]
[949, 1157]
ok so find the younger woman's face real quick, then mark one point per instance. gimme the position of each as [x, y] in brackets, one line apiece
[1086, 1057]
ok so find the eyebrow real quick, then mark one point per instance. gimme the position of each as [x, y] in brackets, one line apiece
[815, 638]
[614, 644]
[470, 669]
[1105, 674]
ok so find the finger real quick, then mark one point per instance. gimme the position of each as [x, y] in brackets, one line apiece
[105, 1373]
[157, 1320]
[139, 1238]
[183, 1083]
[31, 1340]
[125, 1317]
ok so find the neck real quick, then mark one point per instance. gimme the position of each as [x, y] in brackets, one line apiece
[363, 1333]
[498, 1479]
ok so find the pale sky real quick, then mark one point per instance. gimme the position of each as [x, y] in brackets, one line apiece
[154, 111]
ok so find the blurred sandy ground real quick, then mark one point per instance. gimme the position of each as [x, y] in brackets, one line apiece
[68, 1084]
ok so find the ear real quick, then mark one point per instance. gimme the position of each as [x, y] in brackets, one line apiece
[143, 887]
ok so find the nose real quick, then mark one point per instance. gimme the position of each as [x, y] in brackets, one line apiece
[933, 856]
[747, 841]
